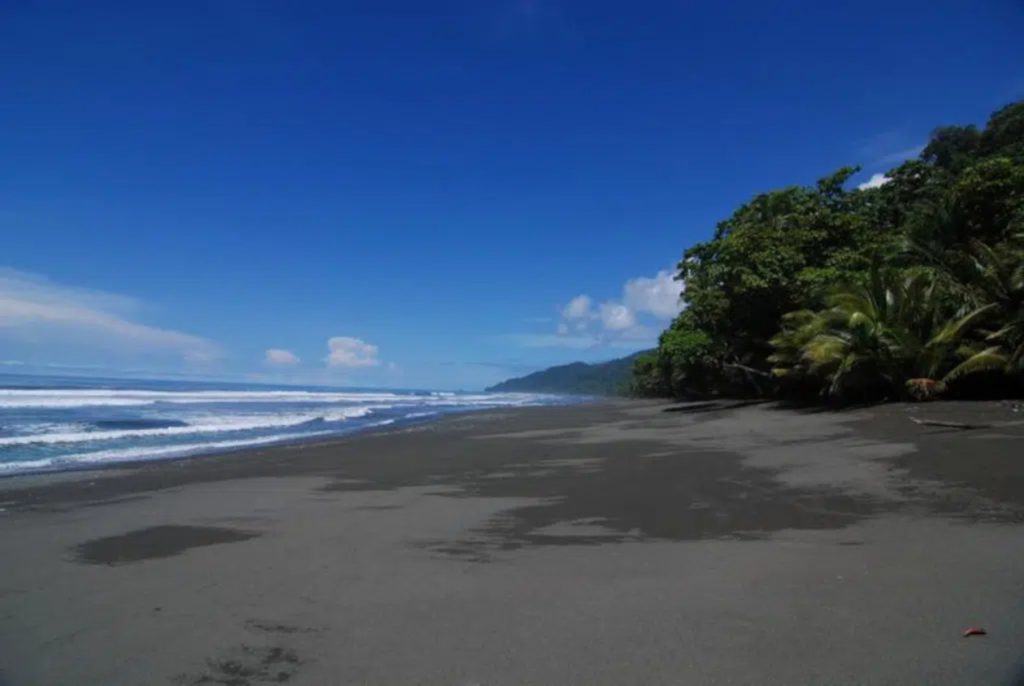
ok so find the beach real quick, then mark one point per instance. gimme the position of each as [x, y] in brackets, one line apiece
[615, 542]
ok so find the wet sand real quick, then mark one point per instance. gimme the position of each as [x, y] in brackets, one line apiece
[614, 543]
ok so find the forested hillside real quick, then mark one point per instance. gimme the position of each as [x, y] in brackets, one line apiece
[578, 378]
[908, 289]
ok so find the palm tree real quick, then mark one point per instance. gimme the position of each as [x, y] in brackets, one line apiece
[989, 277]
[890, 335]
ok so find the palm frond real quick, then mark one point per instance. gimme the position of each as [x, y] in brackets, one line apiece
[956, 329]
[989, 359]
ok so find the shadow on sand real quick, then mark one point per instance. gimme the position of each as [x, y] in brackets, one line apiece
[713, 406]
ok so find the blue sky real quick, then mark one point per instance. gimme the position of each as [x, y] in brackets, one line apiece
[416, 194]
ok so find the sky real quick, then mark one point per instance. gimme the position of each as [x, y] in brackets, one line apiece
[428, 195]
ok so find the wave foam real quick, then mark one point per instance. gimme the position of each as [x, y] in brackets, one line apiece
[138, 454]
[87, 459]
[228, 424]
[53, 429]
[70, 398]
[55, 398]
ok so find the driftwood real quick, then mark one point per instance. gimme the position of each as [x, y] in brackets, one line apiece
[950, 425]
[745, 368]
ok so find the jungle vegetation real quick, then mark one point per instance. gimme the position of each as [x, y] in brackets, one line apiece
[912, 289]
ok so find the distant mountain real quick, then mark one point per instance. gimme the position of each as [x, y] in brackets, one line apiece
[578, 378]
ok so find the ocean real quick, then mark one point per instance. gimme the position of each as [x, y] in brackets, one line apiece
[59, 423]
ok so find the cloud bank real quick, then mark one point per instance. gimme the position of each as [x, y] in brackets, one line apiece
[43, 312]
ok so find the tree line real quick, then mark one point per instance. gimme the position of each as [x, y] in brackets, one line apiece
[912, 289]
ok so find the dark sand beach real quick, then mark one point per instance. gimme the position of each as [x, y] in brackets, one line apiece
[611, 543]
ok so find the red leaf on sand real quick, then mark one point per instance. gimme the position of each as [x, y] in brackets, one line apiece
[974, 631]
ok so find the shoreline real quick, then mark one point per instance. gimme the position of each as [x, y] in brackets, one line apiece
[301, 455]
[402, 424]
[743, 543]
[295, 441]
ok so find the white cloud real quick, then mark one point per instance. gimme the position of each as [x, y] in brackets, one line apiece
[346, 351]
[645, 307]
[876, 181]
[578, 308]
[39, 310]
[616, 316]
[658, 296]
[280, 357]
[39, 289]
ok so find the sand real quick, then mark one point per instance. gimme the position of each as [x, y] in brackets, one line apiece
[612, 543]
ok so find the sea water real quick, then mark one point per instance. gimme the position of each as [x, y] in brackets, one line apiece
[60, 423]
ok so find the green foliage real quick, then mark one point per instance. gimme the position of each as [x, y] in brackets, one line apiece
[1004, 133]
[952, 147]
[684, 345]
[684, 361]
[900, 290]
[774, 255]
[995, 280]
[649, 380]
[892, 336]
[991, 197]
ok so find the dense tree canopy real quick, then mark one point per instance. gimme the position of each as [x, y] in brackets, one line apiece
[905, 289]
